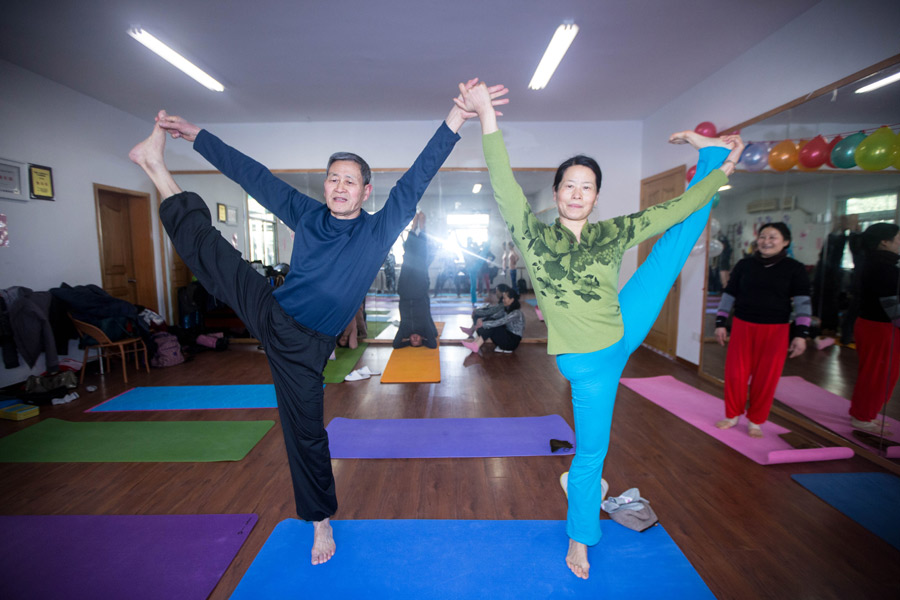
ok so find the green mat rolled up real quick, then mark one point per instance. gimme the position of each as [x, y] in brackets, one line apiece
[54, 440]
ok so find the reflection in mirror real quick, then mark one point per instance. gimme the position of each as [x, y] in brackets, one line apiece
[827, 210]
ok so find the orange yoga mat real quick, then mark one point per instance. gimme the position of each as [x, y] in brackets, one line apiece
[414, 365]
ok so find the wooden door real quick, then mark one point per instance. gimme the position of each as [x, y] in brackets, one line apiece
[124, 230]
[654, 190]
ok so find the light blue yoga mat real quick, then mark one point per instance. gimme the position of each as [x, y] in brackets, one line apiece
[438, 560]
[191, 397]
[870, 499]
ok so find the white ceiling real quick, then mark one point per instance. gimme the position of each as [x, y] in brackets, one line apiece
[365, 60]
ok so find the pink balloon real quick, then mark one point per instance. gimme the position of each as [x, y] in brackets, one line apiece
[706, 129]
[814, 153]
[690, 173]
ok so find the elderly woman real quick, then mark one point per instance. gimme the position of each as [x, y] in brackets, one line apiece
[762, 290]
[574, 267]
[877, 333]
[504, 328]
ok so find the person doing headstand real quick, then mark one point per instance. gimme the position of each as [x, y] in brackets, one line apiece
[338, 249]
[416, 325]
[574, 266]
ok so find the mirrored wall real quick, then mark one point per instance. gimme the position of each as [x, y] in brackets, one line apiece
[826, 209]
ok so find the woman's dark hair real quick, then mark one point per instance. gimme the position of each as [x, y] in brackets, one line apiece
[783, 229]
[512, 293]
[877, 233]
[501, 287]
[582, 161]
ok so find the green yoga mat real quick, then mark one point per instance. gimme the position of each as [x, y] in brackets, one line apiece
[337, 369]
[373, 328]
[54, 440]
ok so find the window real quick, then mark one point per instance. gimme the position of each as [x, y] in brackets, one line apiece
[461, 227]
[263, 228]
[875, 208]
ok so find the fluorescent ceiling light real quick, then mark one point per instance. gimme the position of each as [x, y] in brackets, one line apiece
[476, 188]
[880, 83]
[560, 42]
[175, 59]
[725, 188]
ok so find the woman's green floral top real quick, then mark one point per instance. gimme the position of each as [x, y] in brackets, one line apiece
[576, 282]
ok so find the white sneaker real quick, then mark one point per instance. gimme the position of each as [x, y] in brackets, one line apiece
[501, 350]
[365, 371]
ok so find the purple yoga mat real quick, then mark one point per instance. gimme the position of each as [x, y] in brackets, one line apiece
[827, 409]
[703, 410]
[118, 556]
[446, 438]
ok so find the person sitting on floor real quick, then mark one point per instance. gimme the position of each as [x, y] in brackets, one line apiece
[488, 311]
[505, 330]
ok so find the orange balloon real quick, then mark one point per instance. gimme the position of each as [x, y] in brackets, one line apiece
[784, 155]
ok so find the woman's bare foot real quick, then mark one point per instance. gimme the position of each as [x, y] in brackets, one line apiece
[727, 423]
[696, 140]
[577, 560]
[323, 542]
[754, 430]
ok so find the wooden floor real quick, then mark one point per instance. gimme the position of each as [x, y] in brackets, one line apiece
[749, 530]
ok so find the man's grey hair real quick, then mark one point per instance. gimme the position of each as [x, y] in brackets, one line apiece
[363, 165]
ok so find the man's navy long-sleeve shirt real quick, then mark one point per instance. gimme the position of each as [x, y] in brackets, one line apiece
[334, 261]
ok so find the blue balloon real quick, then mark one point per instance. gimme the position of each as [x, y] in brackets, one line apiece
[755, 156]
[843, 155]
[715, 200]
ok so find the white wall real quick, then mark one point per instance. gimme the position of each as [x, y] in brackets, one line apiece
[829, 42]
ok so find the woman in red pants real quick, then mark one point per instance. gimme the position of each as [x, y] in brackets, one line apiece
[761, 290]
[877, 329]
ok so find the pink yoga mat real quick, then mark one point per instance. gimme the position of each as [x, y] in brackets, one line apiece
[827, 409]
[703, 410]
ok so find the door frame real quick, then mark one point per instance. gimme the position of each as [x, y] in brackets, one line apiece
[142, 241]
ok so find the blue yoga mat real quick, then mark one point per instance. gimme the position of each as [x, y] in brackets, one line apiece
[191, 397]
[870, 499]
[415, 559]
[443, 438]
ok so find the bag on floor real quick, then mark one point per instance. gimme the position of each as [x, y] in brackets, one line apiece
[168, 351]
[521, 285]
[631, 510]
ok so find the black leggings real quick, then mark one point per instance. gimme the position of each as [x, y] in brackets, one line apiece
[501, 337]
[297, 355]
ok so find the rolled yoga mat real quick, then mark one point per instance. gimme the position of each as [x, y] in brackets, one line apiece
[414, 365]
[828, 410]
[191, 397]
[870, 499]
[703, 410]
[54, 440]
[139, 557]
[442, 438]
[444, 559]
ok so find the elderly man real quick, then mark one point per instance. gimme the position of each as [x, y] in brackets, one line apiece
[337, 252]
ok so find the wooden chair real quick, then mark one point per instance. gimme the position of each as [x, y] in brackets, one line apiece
[107, 348]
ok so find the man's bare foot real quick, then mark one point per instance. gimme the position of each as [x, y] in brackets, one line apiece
[149, 153]
[727, 423]
[754, 430]
[577, 559]
[696, 140]
[323, 542]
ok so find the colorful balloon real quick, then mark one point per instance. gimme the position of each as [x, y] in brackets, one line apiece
[800, 166]
[714, 227]
[814, 153]
[706, 128]
[831, 146]
[842, 156]
[783, 156]
[877, 151]
[690, 173]
[755, 156]
[715, 200]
